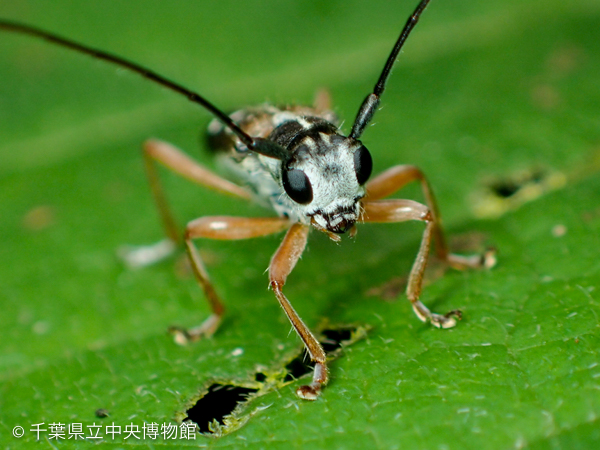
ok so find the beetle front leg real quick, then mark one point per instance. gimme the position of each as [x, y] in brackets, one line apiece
[282, 264]
[223, 228]
[383, 211]
[394, 179]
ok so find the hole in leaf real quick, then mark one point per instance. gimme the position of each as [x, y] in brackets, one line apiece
[334, 338]
[298, 367]
[220, 401]
[508, 187]
[260, 377]
[214, 412]
[509, 192]
[505, 189]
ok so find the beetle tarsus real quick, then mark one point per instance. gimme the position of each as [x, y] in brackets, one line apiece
[313, 390]
[183, 336]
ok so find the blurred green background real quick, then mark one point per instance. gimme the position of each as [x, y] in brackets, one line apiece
[484, 94]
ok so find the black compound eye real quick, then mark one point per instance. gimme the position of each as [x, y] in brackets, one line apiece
[363, 164]
[297, 186]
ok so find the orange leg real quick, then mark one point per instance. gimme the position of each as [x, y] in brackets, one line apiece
[322, 102]
[174, 159]
[394, 179]
[224, 228]
[232, 228]
[282, 264]
[400, 211]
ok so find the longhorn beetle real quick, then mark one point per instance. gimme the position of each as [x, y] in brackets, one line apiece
[295, 159]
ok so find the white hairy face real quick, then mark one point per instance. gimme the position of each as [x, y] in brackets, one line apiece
[334, 169]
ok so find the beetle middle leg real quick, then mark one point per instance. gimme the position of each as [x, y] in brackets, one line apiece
[218, 227]
[221, 228]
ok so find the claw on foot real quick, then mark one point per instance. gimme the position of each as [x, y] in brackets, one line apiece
[313, 390]
[309, 392]
[447, 320]
[485, 260]
[488, 258]
[183, 336]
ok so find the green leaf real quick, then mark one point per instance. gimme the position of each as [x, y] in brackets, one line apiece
[501, 94]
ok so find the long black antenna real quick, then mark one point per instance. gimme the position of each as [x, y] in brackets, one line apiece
[262, 146]
[371, 103]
